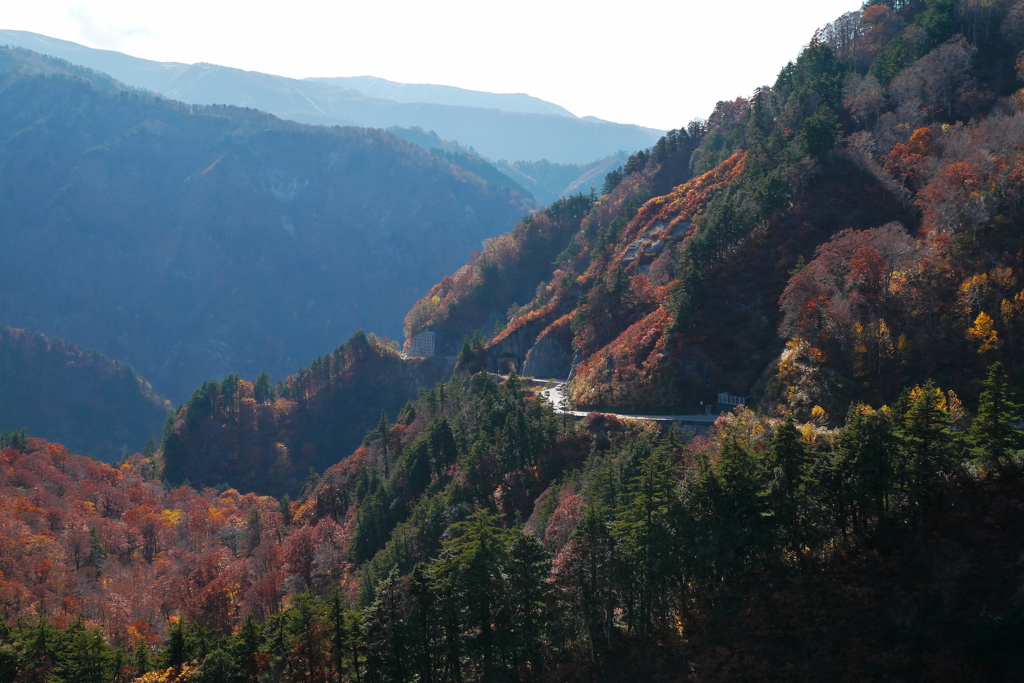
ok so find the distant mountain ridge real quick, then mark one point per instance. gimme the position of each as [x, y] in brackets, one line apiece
[544, 181]
[445, 94]
[194, 242]
[507, 133]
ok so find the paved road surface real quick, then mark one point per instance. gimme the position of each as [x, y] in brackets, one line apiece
[555, 395]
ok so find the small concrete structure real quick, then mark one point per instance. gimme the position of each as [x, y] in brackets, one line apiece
[422, 345]
[727, 402]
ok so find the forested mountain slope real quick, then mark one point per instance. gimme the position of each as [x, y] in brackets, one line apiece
[810, 244]
[195, 242]
[544, 180]
[55, 390]
[267, 438]
[888, 547]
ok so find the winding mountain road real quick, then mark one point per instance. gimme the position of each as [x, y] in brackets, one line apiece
[555, 395]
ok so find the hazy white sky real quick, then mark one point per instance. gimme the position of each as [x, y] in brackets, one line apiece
[658, 64]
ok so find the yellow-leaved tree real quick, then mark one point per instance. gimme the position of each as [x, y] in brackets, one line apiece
[984, 333]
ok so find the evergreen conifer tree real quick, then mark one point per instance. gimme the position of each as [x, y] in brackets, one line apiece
[786, 464]
[926, 438]
[993, 436]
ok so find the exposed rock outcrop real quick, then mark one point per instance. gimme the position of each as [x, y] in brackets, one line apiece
[548, 358]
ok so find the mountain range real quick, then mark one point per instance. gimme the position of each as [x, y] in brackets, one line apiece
[197, 241]
[512, 127]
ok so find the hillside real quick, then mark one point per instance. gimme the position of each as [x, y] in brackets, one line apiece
[260, 437]
[196, 242]
[599, 549]
[495, 125]
[82, 539]
[811, 244]
[55, 390]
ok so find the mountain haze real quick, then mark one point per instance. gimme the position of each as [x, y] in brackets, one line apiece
[445, 94]
[193, 242]
[499, 133]
[545, 181]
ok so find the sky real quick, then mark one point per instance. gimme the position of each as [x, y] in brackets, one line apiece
[658, 64]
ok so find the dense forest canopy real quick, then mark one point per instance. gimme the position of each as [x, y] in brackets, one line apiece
[260, 436]
[482, 536]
